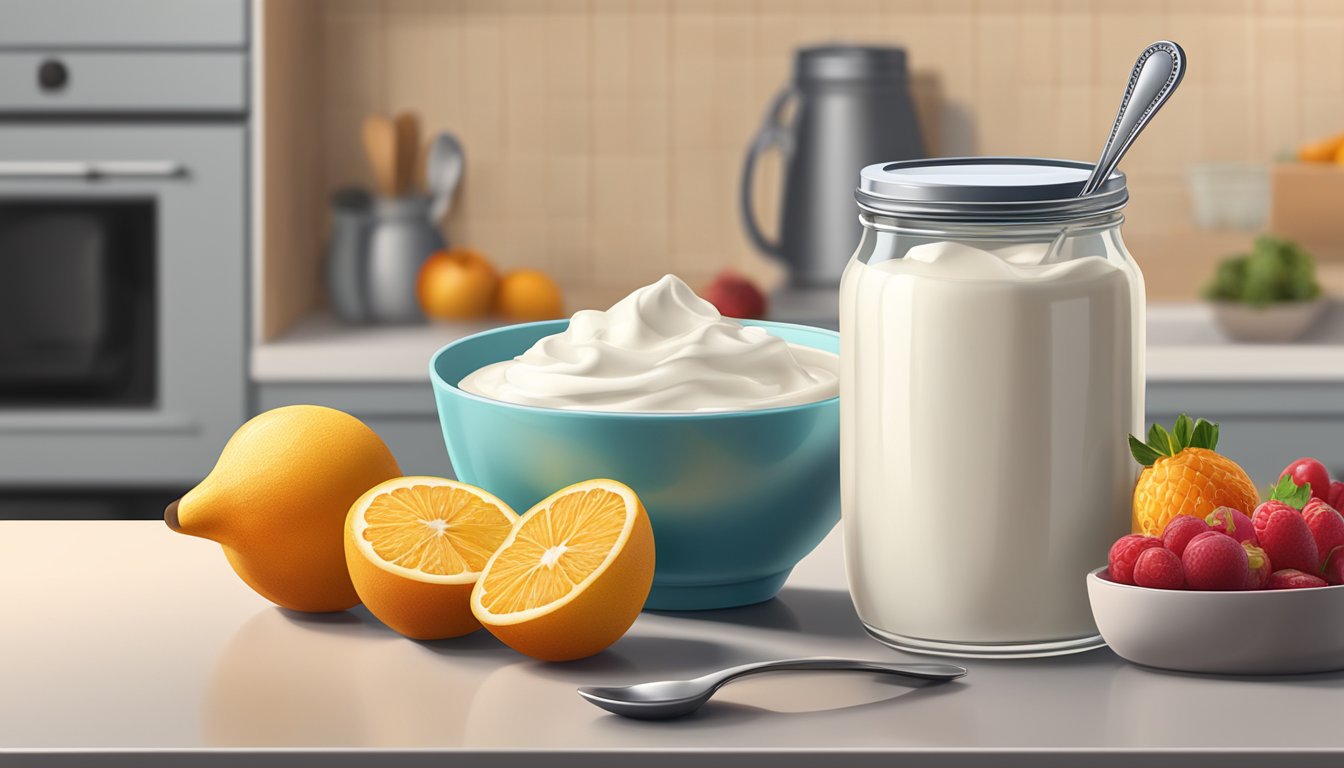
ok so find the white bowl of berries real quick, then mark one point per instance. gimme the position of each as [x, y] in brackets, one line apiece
[1231, 593]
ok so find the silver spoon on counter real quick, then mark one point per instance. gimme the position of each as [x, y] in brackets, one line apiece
[666, 699]
[1156, 74]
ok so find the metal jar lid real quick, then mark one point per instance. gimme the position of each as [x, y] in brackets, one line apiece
[986, 189]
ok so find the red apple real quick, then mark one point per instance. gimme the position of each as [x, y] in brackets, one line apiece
[736, 296]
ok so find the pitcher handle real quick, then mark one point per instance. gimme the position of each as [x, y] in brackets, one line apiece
[773, 133]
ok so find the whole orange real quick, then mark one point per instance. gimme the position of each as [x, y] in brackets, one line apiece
[457, 284]
[530, 294]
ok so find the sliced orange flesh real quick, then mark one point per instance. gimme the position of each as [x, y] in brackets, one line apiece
[554, 551]
[433, 529]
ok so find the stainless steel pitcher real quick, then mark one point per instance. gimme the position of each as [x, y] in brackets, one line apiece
[853, 109]
[376, 250]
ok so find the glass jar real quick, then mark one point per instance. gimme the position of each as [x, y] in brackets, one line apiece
[992, 353]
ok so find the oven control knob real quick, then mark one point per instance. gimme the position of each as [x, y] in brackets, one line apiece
[52, 75]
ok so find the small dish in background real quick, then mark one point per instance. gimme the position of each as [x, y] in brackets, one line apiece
[1267, 295]
[1277, 323]
[1260, 632]
[1230, 195]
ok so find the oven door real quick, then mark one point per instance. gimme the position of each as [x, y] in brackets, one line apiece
[122, 318]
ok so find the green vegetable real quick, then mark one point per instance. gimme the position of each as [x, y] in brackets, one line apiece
[1276, 270]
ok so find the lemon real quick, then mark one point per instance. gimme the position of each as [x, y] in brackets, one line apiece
[276, 502]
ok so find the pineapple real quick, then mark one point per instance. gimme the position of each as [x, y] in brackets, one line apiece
[1184, 475]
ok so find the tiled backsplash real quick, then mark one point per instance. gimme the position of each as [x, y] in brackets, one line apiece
[604, 139]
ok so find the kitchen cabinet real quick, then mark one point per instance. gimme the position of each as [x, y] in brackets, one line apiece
[1263, 425]
[148, 650]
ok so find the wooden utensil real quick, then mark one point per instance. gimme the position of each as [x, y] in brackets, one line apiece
[408, 153]
[380, 145]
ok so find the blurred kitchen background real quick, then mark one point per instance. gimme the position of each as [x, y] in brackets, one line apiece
[603, 144]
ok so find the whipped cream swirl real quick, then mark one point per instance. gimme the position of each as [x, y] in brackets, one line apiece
[660, 349]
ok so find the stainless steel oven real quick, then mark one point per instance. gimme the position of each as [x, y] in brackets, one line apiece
[123, 168]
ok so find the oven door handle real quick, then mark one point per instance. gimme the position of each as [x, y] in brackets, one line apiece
[75, 169]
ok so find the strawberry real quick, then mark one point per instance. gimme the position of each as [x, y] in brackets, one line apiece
[1327, 526]
[1260, 565]
[1336, 494]
[1310, 472]
[1260, 518]
[1124, 552]
[1285, 537]
[1291, 578]
[1180, 530]
[1334, 566]
[1159, 568]
[1215, 561]
[1233, 522]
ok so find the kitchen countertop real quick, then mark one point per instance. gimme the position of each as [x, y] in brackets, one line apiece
[127, 644]
[1183, 346]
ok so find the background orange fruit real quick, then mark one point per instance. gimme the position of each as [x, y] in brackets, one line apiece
[457, 284]
[526, 295]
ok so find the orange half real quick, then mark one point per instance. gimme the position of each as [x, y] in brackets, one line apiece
[415, 547]
[573, 574]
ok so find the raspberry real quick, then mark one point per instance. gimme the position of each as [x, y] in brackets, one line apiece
[1180, 530]
[1233, 522]
[1291, 578]
[1124, 552]
[1216, 561]
[1260, 565]
[1334, 566]
[1159, 568]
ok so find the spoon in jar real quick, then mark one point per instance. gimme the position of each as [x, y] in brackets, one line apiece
[1156, 74]
[666, 699]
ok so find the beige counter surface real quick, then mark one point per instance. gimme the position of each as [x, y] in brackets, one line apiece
[126, 644]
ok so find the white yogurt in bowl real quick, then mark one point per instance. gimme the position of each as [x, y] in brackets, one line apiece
[660, 349]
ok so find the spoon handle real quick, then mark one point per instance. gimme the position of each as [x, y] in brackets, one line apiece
[1156, 74]
[915, 671]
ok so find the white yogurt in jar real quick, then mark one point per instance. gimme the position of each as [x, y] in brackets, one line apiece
[660, 349]
[985, 398]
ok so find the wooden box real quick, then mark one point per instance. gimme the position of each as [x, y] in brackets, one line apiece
[1307, 205]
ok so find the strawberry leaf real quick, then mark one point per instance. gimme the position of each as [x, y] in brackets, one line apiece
[1205, 435]
[1290, 493]
[1161, 440]
[1182, 431]
[1142, 452]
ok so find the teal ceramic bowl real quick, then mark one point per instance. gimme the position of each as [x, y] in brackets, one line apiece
[736, 499]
